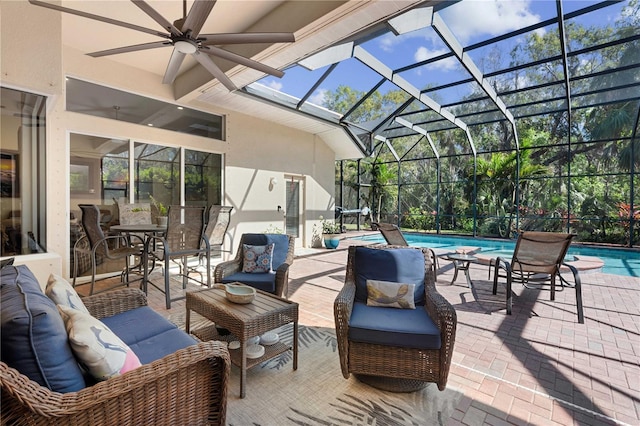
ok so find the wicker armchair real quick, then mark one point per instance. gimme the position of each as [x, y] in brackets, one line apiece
[231, 270]
[394, 368]
[188, 387]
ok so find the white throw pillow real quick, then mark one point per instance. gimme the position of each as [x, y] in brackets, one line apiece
[390, 295]
[62, 293]
[97, 348]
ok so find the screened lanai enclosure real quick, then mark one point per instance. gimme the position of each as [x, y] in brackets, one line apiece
[485, 117]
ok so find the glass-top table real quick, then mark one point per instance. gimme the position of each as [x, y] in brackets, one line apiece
[461, 262]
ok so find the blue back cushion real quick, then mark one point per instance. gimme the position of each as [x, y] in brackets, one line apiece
[34, 339]
[280, 249]
[395, 265]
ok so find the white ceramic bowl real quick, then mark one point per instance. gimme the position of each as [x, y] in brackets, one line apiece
[238, 293]
[269, 338]
[255, 351]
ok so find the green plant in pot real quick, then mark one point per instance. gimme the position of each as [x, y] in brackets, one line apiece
[330, 233]
[162, 211]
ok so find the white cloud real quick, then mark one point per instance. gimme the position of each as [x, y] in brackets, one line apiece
[424, 53]
[389, 41]
[275, 85]
[483, 17]
[318, 97]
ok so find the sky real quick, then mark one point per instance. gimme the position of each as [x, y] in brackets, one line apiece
[470, 21]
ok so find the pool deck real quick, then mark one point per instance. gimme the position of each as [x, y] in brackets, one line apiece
[537, 366]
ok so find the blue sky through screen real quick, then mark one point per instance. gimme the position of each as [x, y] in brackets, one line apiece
[470, 21]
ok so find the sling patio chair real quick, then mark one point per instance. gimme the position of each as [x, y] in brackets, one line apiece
[394, 237]
[537, 260]
[100, 248]
[183, 239]
[218, 219]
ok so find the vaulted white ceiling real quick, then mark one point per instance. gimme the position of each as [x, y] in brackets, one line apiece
[315, 24]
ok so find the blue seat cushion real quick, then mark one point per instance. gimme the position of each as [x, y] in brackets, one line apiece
[280, 243]
[407, 328]
[161, 345]
[265, 282]
[147, 333]
[395, 265]
[34, 338]
[137, 324]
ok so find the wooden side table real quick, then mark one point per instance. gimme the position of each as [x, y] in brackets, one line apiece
[265, 313]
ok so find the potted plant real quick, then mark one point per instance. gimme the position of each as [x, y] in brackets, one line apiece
[330, 233]
[162, 211]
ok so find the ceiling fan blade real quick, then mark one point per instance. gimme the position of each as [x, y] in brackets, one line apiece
[241, 38]
[224, 54]
[173, 67]
[99, 18]
[157, 17]
[206, 62]
[132, 48]
[197, 16]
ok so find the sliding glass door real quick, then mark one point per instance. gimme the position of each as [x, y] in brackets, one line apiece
[107, 171]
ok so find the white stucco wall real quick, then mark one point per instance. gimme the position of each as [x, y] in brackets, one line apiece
[33, 59]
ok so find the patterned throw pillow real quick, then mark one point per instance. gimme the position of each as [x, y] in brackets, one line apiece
[97, 348]
[62, 293]
[257, 259]
[390, 295]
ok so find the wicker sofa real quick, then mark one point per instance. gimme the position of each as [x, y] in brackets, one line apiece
[187, 386]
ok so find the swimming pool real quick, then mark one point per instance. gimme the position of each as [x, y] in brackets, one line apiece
[616, 261]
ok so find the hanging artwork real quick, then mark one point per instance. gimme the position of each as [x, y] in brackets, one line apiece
[9, 175]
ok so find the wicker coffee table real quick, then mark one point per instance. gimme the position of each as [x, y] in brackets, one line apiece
[264, 314]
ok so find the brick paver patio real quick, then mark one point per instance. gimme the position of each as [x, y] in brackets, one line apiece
[537, 366]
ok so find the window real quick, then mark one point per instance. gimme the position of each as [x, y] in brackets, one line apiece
[100, 101]
[22, 179]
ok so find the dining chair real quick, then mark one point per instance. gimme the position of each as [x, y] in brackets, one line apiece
[183, 239]
[99, 248]
[218, 219]
[536, 262]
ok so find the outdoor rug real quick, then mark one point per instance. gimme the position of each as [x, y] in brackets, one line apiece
[318, 394]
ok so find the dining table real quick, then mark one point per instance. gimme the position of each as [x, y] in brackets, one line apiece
[146, 231]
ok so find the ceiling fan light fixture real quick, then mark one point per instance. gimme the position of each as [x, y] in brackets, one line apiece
[185, 46]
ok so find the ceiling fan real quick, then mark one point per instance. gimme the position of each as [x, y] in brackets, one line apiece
[185, 38]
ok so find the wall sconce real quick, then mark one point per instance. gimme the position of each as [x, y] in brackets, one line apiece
[272, 183]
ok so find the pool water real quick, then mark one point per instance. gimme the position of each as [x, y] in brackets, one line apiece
[617, 261]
